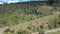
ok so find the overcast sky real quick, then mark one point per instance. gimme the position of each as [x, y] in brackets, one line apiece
[12, 1]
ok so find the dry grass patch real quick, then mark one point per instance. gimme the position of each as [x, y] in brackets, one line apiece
[36, 22]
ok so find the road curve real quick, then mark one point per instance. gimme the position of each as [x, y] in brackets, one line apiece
[3, 29]
[53, 30]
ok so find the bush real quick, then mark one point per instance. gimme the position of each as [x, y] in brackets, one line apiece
[24, 31]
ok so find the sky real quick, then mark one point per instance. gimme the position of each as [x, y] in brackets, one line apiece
[12, 1]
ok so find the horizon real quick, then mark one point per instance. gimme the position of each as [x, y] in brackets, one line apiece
[14, 1]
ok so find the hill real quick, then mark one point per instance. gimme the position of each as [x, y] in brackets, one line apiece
[17, 17]
[15, 13]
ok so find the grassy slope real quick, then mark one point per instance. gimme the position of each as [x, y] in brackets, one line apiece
[36, 22]
[7, 18]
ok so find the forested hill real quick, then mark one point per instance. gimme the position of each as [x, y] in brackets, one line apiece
[21, 13]
[15, 13]
[24, 6]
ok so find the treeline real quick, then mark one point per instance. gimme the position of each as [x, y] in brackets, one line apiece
[24, 7]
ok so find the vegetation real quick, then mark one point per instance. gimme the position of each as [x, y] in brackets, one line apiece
[12, 14]
[58, 32]
[20, 17]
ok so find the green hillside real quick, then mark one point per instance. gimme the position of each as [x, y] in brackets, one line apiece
[20, 12]
[29, 16]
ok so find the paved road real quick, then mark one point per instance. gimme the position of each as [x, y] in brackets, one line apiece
[53, 30]
[3, 29]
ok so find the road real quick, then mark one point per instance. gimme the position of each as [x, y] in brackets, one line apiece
[53, 30]
[3, 29]
[49, 31]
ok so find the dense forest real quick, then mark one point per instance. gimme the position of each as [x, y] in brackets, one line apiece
[18, 13]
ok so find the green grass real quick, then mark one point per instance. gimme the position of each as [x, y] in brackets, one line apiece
[16, 18]
[13, 19]
[58, 32]
[44, 12]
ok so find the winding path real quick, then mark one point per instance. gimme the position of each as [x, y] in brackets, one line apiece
[3, 29]
[53, 30]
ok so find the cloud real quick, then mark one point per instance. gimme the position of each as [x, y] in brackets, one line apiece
[25, 0]
[1, 3]
[12, 1]
[8, 1]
